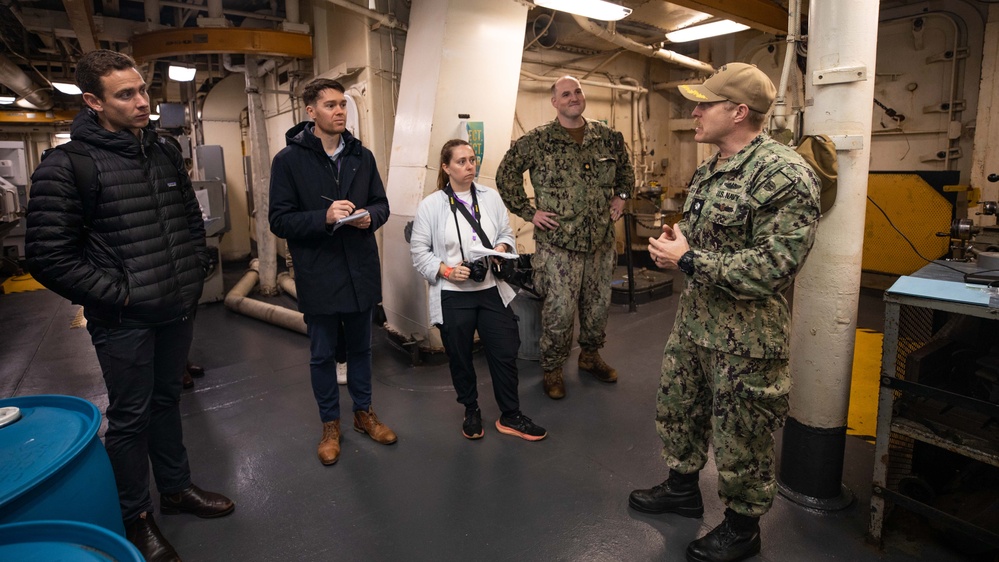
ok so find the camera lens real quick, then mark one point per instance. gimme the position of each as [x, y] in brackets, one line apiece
[477, 271]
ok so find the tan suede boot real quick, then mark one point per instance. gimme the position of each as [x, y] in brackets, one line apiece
[554, 385]
[367, 422]
[329, 445]
[591, 361]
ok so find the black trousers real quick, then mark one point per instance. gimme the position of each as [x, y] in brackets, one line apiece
[466, 312]
[141, 367]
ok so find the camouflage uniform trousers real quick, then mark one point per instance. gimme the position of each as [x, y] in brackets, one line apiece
[733, 402]
[572, 280]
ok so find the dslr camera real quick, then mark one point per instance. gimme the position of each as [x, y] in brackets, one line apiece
[477, 270]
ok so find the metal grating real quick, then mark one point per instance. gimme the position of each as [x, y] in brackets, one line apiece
[915, 331]
[903, 208]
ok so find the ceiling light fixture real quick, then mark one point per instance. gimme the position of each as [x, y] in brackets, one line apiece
[596, 9]
[7, 100]
[703, 31]
[67, 88]
[25, 104]
[181, 72]
[62, 135]
[154, 116]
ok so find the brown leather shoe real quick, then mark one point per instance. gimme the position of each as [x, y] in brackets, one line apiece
[591, 361]
[195, 370]
[186, 381]
[196, 501]
[146, 536]
[367, 422]
[554, 385]
[329, 445]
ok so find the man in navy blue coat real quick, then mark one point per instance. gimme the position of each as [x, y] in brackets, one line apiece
[322, 177]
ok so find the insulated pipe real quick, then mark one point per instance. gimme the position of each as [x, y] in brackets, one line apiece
[292, 12]
[550, 80]
[225, 12]
[27, 89]
[236, 300]
[383, 19]
[287, 284]
[261, 171]
[793, 32]
[842, 54]
[151, 10]
[653, 52]
[215, 9]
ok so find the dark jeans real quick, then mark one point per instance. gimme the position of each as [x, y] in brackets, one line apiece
[140, 367]
[322, 345]
[466, 312]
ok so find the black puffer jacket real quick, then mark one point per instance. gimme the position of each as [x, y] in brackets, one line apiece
[334, 271]
[147, 244]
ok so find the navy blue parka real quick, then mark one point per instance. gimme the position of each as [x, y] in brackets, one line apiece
[335, 271]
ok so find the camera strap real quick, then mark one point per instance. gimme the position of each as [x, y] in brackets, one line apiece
[472, 220]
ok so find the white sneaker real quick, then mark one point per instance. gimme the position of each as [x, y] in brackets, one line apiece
[341, 373]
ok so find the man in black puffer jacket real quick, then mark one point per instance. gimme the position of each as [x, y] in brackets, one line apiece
[131, 249]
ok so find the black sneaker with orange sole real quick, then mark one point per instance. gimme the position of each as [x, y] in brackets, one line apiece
[471, 427]
[521, 426]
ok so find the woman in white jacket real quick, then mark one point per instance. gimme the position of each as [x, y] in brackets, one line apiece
[465, 296]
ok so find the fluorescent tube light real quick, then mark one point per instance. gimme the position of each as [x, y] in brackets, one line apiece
[154, 116]
[62, 135]
[596, 9]
[713, 29]
[181, 72]
[67, 88]
[7, 100]
[25, 104]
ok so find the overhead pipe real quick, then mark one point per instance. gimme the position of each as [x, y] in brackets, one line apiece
[652, 52]
[262, 68]
[225, 12]
[669, 86]
[292, 12]
[382, 19]
[237, 301]
[215, 9]
[27, 89]
[549, 79]
[793, 35]
[151, 13]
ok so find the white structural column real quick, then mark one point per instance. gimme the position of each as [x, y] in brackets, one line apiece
[985, 161]
[839, 91]
[462, 59]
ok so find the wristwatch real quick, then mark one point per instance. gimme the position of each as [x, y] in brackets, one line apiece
[623, 195]
[686, 262]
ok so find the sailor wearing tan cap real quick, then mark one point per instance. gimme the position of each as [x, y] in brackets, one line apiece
[748, 224]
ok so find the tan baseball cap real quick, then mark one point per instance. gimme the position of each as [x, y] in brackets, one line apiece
[736, 82]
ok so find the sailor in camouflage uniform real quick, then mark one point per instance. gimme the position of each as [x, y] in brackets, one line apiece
[748, 223]
[581, 175]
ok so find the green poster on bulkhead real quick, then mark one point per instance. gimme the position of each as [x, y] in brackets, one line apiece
[476, 138]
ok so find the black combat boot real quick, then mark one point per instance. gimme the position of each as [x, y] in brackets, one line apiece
[737, 538]
[678, 494]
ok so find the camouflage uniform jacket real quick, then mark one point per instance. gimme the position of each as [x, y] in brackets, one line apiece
[750, 223]
[576, 182]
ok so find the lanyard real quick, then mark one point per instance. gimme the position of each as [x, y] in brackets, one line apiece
[471, 217]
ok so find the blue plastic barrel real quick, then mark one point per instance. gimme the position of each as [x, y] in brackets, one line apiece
[52, 464]
[66, 541]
